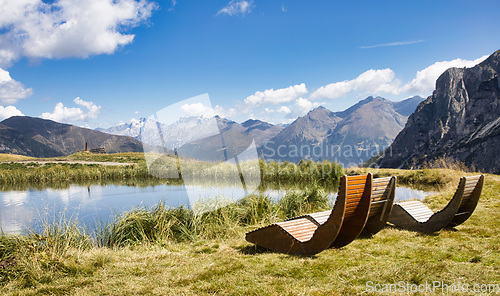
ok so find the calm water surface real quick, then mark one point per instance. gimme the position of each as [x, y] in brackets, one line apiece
[21, 209]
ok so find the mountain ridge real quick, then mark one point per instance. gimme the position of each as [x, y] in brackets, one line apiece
[47, 138]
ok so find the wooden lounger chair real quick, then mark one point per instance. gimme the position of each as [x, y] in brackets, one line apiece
[382, 200]
[383, 192]
[311, 234]
[415, 216]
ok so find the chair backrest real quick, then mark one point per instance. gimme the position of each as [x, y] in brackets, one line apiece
[381, 192]
[357, 193]
[471, 186]
[355, 188]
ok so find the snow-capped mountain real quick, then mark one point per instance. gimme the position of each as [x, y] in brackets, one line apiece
[184, 130]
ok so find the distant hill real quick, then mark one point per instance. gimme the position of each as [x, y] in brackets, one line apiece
[14, 142]
[408, 106]
[349, 137]
[46, 138]
[460, 120]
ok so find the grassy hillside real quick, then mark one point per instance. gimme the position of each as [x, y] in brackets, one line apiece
[5, 157]
[161, 252]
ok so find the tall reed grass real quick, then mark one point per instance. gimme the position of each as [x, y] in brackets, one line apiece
[33, 174]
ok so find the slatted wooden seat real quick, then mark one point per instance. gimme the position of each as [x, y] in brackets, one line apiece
[383, 193]
[382, 199]
[311, 234]
[415, 216]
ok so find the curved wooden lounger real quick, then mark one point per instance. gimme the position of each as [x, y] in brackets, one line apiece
[383, 193]
[415, 216]
[311, 234]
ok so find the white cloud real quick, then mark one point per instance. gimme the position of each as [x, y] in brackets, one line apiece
[397, 43]
[7, 56]
[305, 105]
[219, 110]
[65, 114]
[425, 80]
[284, 109]
[198, 109]
[380, 82]
[66, 28]
[369, 82]
[6, 112]
[234, 7]
[279, 96]
[11, 90]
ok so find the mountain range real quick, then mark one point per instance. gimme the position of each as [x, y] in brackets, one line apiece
[348, 137]
[459, 121]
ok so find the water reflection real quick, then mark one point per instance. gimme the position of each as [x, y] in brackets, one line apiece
[405, 193]
[91, 204]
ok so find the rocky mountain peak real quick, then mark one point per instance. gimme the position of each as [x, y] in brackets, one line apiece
[459, 120]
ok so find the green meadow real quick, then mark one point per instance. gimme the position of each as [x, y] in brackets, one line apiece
[163, 251]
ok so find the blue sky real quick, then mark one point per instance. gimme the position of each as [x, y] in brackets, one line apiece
[97, 63]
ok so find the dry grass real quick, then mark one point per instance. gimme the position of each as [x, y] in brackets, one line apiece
[14, 157]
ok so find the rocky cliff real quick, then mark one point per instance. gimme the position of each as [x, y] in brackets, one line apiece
[460, 120]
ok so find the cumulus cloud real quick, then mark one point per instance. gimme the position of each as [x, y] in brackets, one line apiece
[425, 80]
[284, 109]
[198, 109]
[234, 7]
[371, 81]
[9, 111]
[72, 114]
[380, 82]
[279, 96]
[66, 28]
[305, 105]
[11, 90]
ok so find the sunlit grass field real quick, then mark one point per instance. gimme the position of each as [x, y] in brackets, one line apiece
[160, 251]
